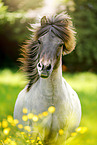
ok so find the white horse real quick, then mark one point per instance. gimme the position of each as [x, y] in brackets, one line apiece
[43, 64]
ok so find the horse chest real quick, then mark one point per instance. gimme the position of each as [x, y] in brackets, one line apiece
[45, 98]
[38, 100]
[42, 98]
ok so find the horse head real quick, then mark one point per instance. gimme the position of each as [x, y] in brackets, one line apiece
[54, 36]
[42, 53]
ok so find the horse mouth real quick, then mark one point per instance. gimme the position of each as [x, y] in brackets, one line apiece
[44, 75]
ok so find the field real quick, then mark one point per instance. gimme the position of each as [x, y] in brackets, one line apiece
[85, 84]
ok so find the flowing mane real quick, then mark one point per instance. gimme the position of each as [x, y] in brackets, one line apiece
[29, 61]
[61, 26]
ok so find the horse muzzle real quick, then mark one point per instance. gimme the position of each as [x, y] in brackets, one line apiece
[44, 75]
[44, 70]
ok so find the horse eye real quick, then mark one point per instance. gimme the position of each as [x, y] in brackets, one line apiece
[64, 47]
[58, 53]
[39, 41]
[61, 45]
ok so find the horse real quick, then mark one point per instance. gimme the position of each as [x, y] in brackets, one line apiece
[42, 62]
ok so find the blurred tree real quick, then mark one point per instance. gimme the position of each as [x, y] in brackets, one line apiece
[13, 32]
[14, 5]
[84, 14]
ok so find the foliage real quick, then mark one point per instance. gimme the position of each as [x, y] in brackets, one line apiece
[85, 85]
[13, 22]
[84, 14]
[13, 31]
[2, 7]
[22, 5]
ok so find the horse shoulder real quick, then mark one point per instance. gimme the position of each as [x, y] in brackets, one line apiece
[74, 103]
[71, 93]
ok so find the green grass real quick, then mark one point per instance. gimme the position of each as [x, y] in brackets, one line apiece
[85, 84]
[10, 85]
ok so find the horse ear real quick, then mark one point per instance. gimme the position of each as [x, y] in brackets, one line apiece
[43, 20]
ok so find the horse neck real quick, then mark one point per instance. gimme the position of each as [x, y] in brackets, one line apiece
[57, 73]
[52, 83]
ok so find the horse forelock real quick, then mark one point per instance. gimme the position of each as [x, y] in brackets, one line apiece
[60, 25]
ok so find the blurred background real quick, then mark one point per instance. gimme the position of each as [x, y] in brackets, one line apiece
[79, 67]
[16, 15]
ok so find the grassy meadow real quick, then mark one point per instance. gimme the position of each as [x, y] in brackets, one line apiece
[85, 84]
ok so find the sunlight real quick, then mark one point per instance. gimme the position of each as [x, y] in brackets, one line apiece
[51, 6]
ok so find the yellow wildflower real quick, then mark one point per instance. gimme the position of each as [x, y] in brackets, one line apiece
[6, 131]
[4, 123]
[25, 110]
[51, 109]
[22, 133]
[20, 126]
[61, 131]
[0, 124]
[45, 113]
[39, 142]
[73, 134]
[38, 138]
[13, 143]
[16, 121]
[10, 119]
[30, 116]
[32, 141]
[81, 129]
[27, 128]
[35, 118]
[27, 141]
[31, 137]
[40, 115]
[24, 117]
[8, 140]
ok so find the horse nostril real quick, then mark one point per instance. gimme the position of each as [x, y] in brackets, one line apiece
[39, 65]
[49, 67]
[43, 67]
